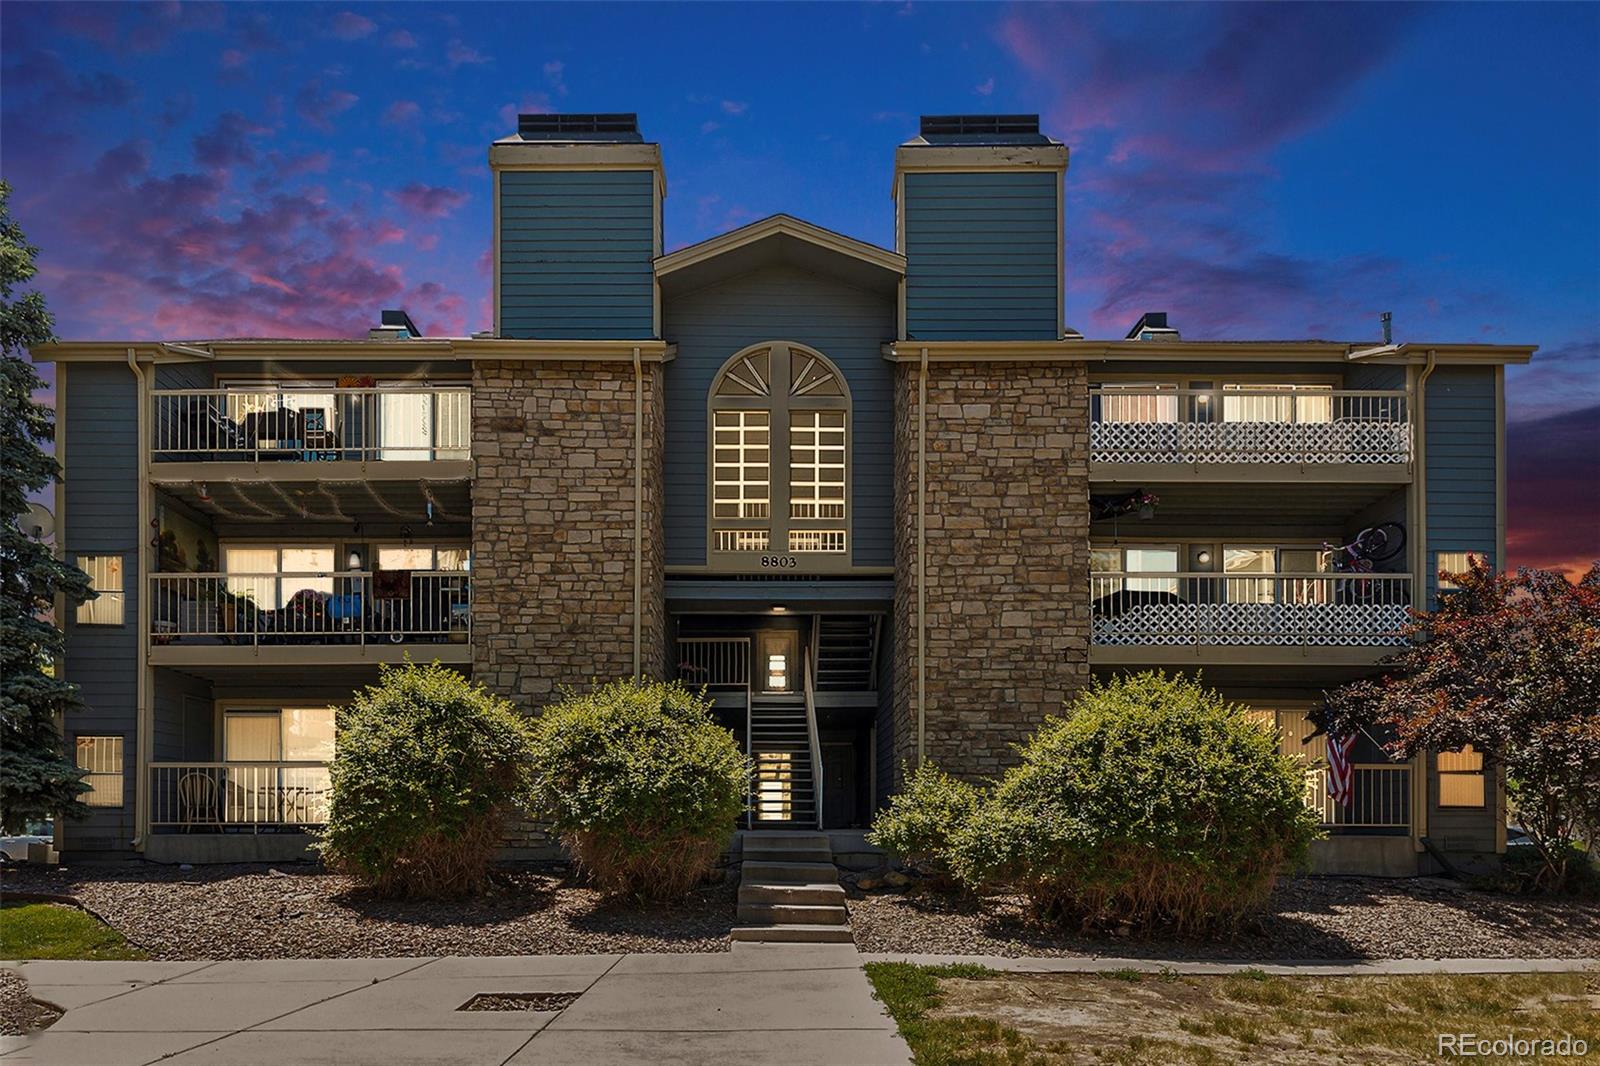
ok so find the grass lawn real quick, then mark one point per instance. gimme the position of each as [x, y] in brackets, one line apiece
[961, 1015]
[55, 931]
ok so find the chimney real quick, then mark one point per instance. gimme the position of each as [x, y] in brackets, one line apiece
[394, 325]
[1152, 326]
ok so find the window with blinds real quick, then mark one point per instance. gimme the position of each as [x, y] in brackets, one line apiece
[101, 757]
[1461, 778]
[105, 577]
[816, 464]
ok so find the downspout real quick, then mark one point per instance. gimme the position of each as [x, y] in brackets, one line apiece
[1419, 590]
[922, 559]
[638, 508]
[144, 727]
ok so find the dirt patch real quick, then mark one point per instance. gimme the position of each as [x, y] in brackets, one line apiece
[541, 1001]
[20, 1013]
[1305, 918]
[258, 911]
[1257, 1019]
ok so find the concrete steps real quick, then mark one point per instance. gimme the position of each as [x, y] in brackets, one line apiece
[789, 891]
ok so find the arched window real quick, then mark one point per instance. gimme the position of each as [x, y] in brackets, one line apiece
[779, 463]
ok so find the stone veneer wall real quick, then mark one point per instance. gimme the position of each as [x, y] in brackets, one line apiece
[1007, 542]
[553, 527]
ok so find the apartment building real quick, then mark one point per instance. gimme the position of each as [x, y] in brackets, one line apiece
[882, 503]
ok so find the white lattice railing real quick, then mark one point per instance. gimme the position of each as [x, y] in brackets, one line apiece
[311, 424]
[1189, 609]
[344, 607]
[220, 796]
[717, 662]
[1202, 426]
[1380, 799]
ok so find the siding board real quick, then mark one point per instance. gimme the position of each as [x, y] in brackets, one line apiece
[1461, 440]
[981, 256]
[575, 254]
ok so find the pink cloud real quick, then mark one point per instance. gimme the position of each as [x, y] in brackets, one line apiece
[228, 142]
[349, 26]
[319, 106]
[232, 59]
[461, 54]
[401, 113]
[400, 39]
[532, 104]
[429, 201]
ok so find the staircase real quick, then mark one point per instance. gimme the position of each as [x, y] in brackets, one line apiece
[789, 891]
[780, 743]
[846, 650]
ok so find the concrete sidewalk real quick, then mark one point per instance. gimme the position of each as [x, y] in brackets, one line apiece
[757, 1003]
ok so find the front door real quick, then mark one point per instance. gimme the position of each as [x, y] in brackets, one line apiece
[778, 661]
[839, 786]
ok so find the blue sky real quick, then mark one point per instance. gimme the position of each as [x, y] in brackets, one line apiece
[1259, 171]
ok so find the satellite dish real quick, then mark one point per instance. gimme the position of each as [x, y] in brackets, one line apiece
[38, 522]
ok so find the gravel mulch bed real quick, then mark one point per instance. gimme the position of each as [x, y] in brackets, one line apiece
[20, 1013]
[1306, 918]
[259, 911]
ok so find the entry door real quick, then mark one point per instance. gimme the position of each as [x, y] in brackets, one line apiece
[839, 786]
[778, 661]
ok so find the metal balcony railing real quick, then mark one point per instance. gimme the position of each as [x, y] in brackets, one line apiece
[237, 796]
[715, 662]
[1198, 609]
[311, 424]
[1380, 798]
[343, 607]
[1275, 426]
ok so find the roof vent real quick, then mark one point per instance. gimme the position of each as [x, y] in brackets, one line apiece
[394, 325]
[973, 125]
[613, 128]
[1152, 326]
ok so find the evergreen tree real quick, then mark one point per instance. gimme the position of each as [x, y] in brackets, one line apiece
[36, 778]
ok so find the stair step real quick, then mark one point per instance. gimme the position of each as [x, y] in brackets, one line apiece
[817, 894]
[788, 872]
[793, 934]
[793, 914]
[819, 856]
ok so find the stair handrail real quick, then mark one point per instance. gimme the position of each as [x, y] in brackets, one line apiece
[816, 747]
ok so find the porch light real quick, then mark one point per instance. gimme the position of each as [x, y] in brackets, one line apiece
[779, 608]
[354, 561]
[1203, 558]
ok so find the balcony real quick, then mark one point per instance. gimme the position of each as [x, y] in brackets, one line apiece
[310, 433]
[1266, 618]
[238, 797]
[1150, 433]
[310, 618]
[1380, 798]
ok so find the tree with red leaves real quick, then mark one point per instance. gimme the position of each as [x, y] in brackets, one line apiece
[1509, 663]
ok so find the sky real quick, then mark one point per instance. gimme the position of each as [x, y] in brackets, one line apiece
[1258, 171]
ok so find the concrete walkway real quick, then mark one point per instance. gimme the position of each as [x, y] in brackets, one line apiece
[758, 1003]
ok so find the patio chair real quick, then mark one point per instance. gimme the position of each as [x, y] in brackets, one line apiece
[197, 800]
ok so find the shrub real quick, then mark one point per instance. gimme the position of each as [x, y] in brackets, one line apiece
[427, 765]
[642, 785]
[917, 824]
[1153, 801]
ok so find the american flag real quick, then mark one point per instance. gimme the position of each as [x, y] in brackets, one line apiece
[1341, 779]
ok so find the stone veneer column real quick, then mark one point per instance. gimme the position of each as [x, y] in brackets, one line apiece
[1007, 557]
[553, 526]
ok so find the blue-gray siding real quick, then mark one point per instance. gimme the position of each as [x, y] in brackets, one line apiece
[101, 518]
[846, 324]
[981, 256]
[1462, 496]
[575, 254]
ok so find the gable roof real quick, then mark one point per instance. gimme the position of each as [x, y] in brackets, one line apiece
[780, 238]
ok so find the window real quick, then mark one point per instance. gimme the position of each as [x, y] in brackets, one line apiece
[1282, 403]
[258, 571]
[1134, 560]
[102, 758]
[779, 462]
[423, 557]
[1453, 563]
[105, 577]
[290, 734]
[1238, 560]
[1461, 779]
[1128, 402]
